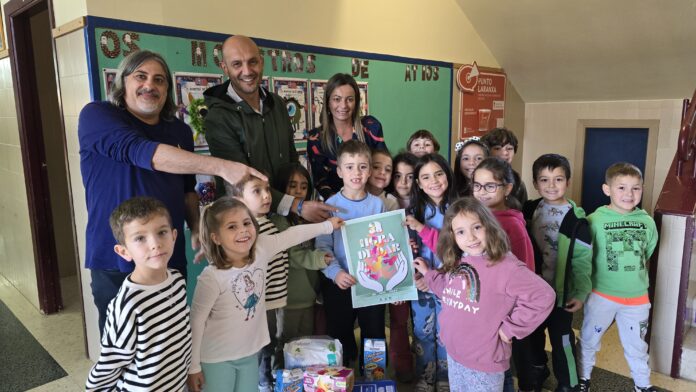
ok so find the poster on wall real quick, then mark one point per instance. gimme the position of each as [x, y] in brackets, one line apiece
[266, 83]
[364, 107]
[109, 78]
[294, 92]
[316, 99]
[189, 88]
[380, 258]
[482, 100]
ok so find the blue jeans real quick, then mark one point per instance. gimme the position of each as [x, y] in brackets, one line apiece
[431, 356]
[105, 285]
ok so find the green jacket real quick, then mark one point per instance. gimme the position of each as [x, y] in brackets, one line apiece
[303, 274]
[236, 132]
[574, 257]
[623, 246]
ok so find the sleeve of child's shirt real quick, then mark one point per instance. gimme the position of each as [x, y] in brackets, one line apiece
[117, 347]
[207, 292]
[533, 299]
[652, 238]
[581, 262]
[429, 236]
[436, 282]
[324, 243]
[269, 245]
[521, 246]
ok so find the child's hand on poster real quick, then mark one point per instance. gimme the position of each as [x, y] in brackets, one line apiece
[366, 280]
[421, 265]
[344, 280]
[399, 276]
[414, 224]
[422, 269]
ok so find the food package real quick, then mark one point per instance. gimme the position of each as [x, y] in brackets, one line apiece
[375, 386]
[308, 351]
[375, 359]
[289, 380]
[328, 379]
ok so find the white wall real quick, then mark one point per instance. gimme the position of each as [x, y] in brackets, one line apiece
[552, 127]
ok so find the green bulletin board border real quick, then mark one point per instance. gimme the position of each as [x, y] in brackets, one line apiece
[94, 71]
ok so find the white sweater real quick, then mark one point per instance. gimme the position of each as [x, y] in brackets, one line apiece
[228, 313]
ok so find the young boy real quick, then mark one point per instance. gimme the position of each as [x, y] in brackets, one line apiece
[563, 254]
[624, 238]
[256, 194]
[503, 144]
[146, 343]
[422, 142]
[353, 201]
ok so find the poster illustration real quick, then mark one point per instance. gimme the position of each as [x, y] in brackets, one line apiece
[294, 92]
[316, 100]
[482, 99]
[364, 107]
[380, 258]
[189, 88]
[109, 78]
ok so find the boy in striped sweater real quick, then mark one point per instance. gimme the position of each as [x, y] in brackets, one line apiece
[256, 194]
[148, 316]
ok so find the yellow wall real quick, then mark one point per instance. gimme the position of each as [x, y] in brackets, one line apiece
[433, 30]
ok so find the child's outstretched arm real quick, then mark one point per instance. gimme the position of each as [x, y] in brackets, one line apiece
[581, 268]
[533, 298]
[117, 349]
[268, 245]
[427, 234]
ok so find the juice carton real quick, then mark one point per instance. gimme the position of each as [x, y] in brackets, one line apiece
[289, 380]
[375, 359]
[328, 379]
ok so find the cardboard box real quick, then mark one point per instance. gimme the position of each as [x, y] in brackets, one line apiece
[375, 359]
[289, 380]
[328, 379]
[375, 386]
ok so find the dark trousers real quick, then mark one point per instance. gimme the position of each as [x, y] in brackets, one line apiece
[340, 319]
[532, 352]
[105, 285]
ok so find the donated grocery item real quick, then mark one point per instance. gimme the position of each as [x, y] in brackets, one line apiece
[289, 380]
[375, 386]
[307, 351]
[328, 379]
[375, 359]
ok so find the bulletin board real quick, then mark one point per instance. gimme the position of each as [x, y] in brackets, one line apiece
[404, 94]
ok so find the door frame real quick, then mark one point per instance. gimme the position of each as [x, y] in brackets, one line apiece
[17, 14]
[653, 127]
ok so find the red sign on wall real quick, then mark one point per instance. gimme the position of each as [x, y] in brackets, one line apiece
[482, 100]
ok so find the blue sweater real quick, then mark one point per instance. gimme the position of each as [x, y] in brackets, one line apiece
[333, 243]
[433, 218]
[116, 151]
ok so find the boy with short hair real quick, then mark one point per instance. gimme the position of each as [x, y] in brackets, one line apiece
[146, 343]
[563, 254]
[353, 201]
[502, 143]
[624, 238]
[256, 194]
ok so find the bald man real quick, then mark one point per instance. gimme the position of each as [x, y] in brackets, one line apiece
[249, 124]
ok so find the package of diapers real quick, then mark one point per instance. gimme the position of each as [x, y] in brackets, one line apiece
[308, 351]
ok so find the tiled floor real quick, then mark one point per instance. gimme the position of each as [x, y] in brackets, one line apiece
[62, 336]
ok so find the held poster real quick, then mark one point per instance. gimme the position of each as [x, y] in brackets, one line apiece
[482, 100]
[380, 259]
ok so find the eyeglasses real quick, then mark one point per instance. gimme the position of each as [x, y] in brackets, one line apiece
[489, 187]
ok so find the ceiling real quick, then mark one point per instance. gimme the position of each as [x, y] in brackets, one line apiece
[592, 50]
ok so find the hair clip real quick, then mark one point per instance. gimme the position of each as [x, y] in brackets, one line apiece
[464, 142]
[458, 146]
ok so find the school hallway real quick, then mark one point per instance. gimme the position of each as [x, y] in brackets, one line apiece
[62, 336]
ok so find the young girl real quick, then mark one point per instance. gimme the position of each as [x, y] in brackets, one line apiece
[381, 177]
[228, 315]
[488, 297]
[402, 180]
[492, 183]
[429, 200]
[422, 142]
[470, 153]
[399, 350]
[304, 260]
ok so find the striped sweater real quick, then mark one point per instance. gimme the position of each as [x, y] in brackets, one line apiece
[276, 271]
[146, 344]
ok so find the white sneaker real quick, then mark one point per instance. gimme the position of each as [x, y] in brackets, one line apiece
[423, 386]
[442, 386]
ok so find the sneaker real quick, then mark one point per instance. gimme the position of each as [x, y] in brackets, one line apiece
[583, 386]
[649, 388]
[423, 386]
[442, 386]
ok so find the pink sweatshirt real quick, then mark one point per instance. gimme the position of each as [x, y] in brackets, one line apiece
[512, 221]
[480, 299]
